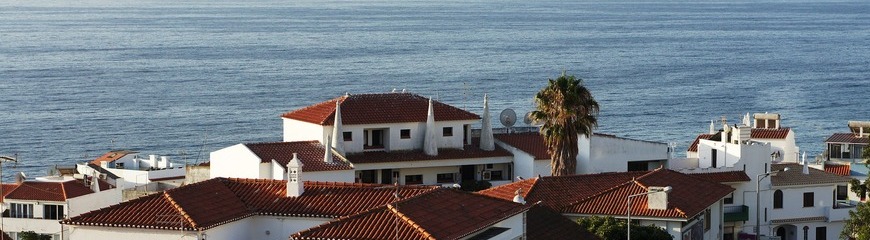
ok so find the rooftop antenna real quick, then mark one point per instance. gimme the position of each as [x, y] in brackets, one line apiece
[201, 148]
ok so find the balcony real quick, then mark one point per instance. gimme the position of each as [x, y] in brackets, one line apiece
[736, 213]
[841, 211]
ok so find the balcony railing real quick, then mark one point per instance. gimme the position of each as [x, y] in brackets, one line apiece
[736, 213]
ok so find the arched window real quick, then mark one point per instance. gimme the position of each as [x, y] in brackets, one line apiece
[777, 199]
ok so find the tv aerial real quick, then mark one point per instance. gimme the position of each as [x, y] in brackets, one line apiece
[508, 118]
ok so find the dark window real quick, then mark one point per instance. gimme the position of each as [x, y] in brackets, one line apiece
[707, 218]
[835, 151]
[808, 199]
[445, 178]
[18, 210]
[729, 199]
[348, 136]
[413, 179]
[368, 176]
[777, 199]
[637, 166]
[448, 132]
[52, 211]
[496, 175]
[842, 193]
[821, 233]
[713, 155]
[405, 133]
[760, 123]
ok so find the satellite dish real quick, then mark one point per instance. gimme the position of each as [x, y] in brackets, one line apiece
[528, 118]
[508, 117]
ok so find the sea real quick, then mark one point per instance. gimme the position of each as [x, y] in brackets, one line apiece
[184, 78]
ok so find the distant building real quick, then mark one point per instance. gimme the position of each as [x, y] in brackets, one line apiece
[847, 147]
[133, 169]
[765, 128]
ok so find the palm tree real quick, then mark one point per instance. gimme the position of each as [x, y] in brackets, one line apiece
[565, 110]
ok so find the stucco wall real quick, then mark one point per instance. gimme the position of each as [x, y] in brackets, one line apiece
[612, 154]
[295, 130]
[234, 161]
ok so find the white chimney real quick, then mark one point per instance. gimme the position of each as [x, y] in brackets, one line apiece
[806, 165]
[746, 121]
[741, 134]
[337, 132]
[327, 150]
[486, 138]
[712, 127]
[152, 160]
[430, 140]
[295, 186]
[518, 196]
[726, 132]
[657, 199]
[164, 162]
[95, 185]
[20, 177]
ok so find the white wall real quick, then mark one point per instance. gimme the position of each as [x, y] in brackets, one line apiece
[41, 226]
[280, 228]
[513, 223]
[234, 161]
[330, 176]
[93, 201]
[92, 232]
[612, 154]
[295, 130]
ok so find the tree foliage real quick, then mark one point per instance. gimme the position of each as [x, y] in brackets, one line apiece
[565, 110]
[31, 235]
[858, 224]
[611, 228]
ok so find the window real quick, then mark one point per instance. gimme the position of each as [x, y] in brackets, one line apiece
[489, 166]
[821, 233]
[842, 193]
[368, 176]
[637, 166]
[496, 175]
[52, 211]
[777, 199]
[445, 178]
[18, 210]
[713, 154]
[729, 199]
[405, 133]
[348, 136]
[808, 199]
[707, 217]
[119, 165]
[447, 132]
[413, 179]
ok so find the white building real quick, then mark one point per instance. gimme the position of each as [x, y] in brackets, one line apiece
[600, 153]
[848, 147]
[133, 169]
[38, 205]
[765, 128]
[690, 209]
[732, 156]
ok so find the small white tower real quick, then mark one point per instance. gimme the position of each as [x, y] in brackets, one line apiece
[295, 186]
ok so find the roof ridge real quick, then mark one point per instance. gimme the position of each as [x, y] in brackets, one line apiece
[63, 190]
[180, 209]
[408, 221]
[582, 200]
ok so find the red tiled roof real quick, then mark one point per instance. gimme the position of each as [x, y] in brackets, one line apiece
[49, 191]
[8, 187]
[378, 108]
[847, 138]
[439, 214]
[217, 201]
[684, 201]
[839, 169]
[111, 156]
[770, 133]
[795, 176]
[557, 192]
[543, 223]
[723, 177]
[694, 146]
[605, 193]
[309, 152]
[470, 151]
[529, 142]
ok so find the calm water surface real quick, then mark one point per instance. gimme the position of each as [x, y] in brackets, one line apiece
[187, 78]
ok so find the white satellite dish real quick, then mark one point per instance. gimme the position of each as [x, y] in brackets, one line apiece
[508, 117]
[528, 118]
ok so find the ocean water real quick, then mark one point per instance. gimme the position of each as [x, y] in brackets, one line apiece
[78, 78]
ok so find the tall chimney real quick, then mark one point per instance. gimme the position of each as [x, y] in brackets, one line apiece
[327, 150]
[295, 186]
[430, 141]
[806, 165]
[712, 127]
[337, 132]
[486, 138]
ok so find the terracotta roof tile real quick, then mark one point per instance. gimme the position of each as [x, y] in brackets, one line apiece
[605, 193]
[112, 156]
[543, 223]
[218, 201]
[694, 146]
[8, 187]
[795, 176]
[309, 152]
[49, 191]
[684, 201]
[529, 142]
[723, 177]
[470, 151]
[439, 214]
[379, 108]
[770, 133]
[557, 192]
[847, 138]
[839, 169]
